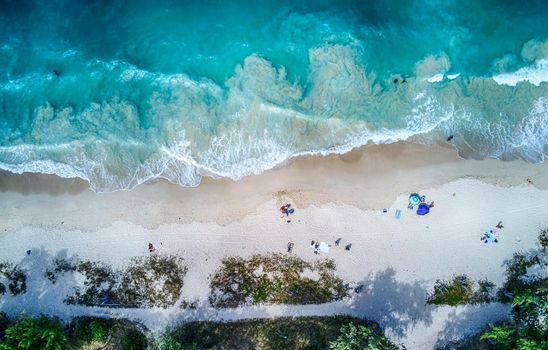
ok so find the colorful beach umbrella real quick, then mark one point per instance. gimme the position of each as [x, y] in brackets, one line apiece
[414, 199]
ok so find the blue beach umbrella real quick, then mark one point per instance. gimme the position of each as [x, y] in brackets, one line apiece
[423, 209]
[414, 199]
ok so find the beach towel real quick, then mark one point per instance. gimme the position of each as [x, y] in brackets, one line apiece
[423, 209]
[490, 236]
[324, 247]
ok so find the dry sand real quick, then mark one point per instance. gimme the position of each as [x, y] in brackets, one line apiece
[397, 260]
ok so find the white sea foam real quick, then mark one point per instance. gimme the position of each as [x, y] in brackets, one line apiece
[535, 74]
[255, 122]
[435, 78]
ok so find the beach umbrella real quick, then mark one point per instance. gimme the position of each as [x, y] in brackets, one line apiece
[423, 209]
[414, 199]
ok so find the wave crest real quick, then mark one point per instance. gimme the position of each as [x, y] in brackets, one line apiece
[170, 126]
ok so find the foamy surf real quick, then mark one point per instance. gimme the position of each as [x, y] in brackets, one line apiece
[535, 74]
[232, 94]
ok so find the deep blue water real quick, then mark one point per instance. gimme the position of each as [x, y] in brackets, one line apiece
[119, 92]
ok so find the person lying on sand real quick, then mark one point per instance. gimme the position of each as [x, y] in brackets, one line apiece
[285, 208]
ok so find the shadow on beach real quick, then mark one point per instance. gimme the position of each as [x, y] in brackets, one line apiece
[472, 320]
[41, 295]
[396, 306]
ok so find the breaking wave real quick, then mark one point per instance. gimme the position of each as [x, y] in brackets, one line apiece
[124, 114]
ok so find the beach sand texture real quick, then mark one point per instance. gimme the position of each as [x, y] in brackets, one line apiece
[398, 260]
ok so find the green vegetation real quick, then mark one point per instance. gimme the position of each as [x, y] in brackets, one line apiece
[4, 323]
[34, 333]
[516, 270]
[528, 296]
[529, 327]
[82, 333]
[276, 279]
[543, 239]
[100, 333]
[485, 293]
[461, 290]
[60, 266]
[360, 337]
[14, 277]
[86, 333]
[310, 333]
[90, 329]
[456, 292]
[153, 281]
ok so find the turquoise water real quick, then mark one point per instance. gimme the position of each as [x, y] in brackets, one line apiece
[119, 92]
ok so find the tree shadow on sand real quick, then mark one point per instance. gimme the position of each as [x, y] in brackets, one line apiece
[396, 306]
[472, 320]
[41, 295]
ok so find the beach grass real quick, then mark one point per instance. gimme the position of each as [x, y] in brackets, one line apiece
[457, 291]
[274, 279]
[14, 277]
[151, 281]
[462, 290]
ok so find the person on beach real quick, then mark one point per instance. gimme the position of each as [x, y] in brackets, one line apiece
[285, 209]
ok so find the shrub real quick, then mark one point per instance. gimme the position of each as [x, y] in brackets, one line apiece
[298, 333]
[17, 281]
[459, 291]
[360, 337]
[133, 340]
[484, 293]
[148, 282]
[4, 323]
[60, 266]
[35, 333]
[88, 329]
[543, 239]
[276, 279]
[100, 330]
[516, 268]
[16, 278]
[528, 329]
[153, 281]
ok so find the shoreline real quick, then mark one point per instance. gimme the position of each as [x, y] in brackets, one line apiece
[377, 174]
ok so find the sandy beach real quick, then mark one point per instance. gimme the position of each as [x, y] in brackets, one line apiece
[334, 197]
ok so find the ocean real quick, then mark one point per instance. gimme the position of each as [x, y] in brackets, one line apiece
[123, 92]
